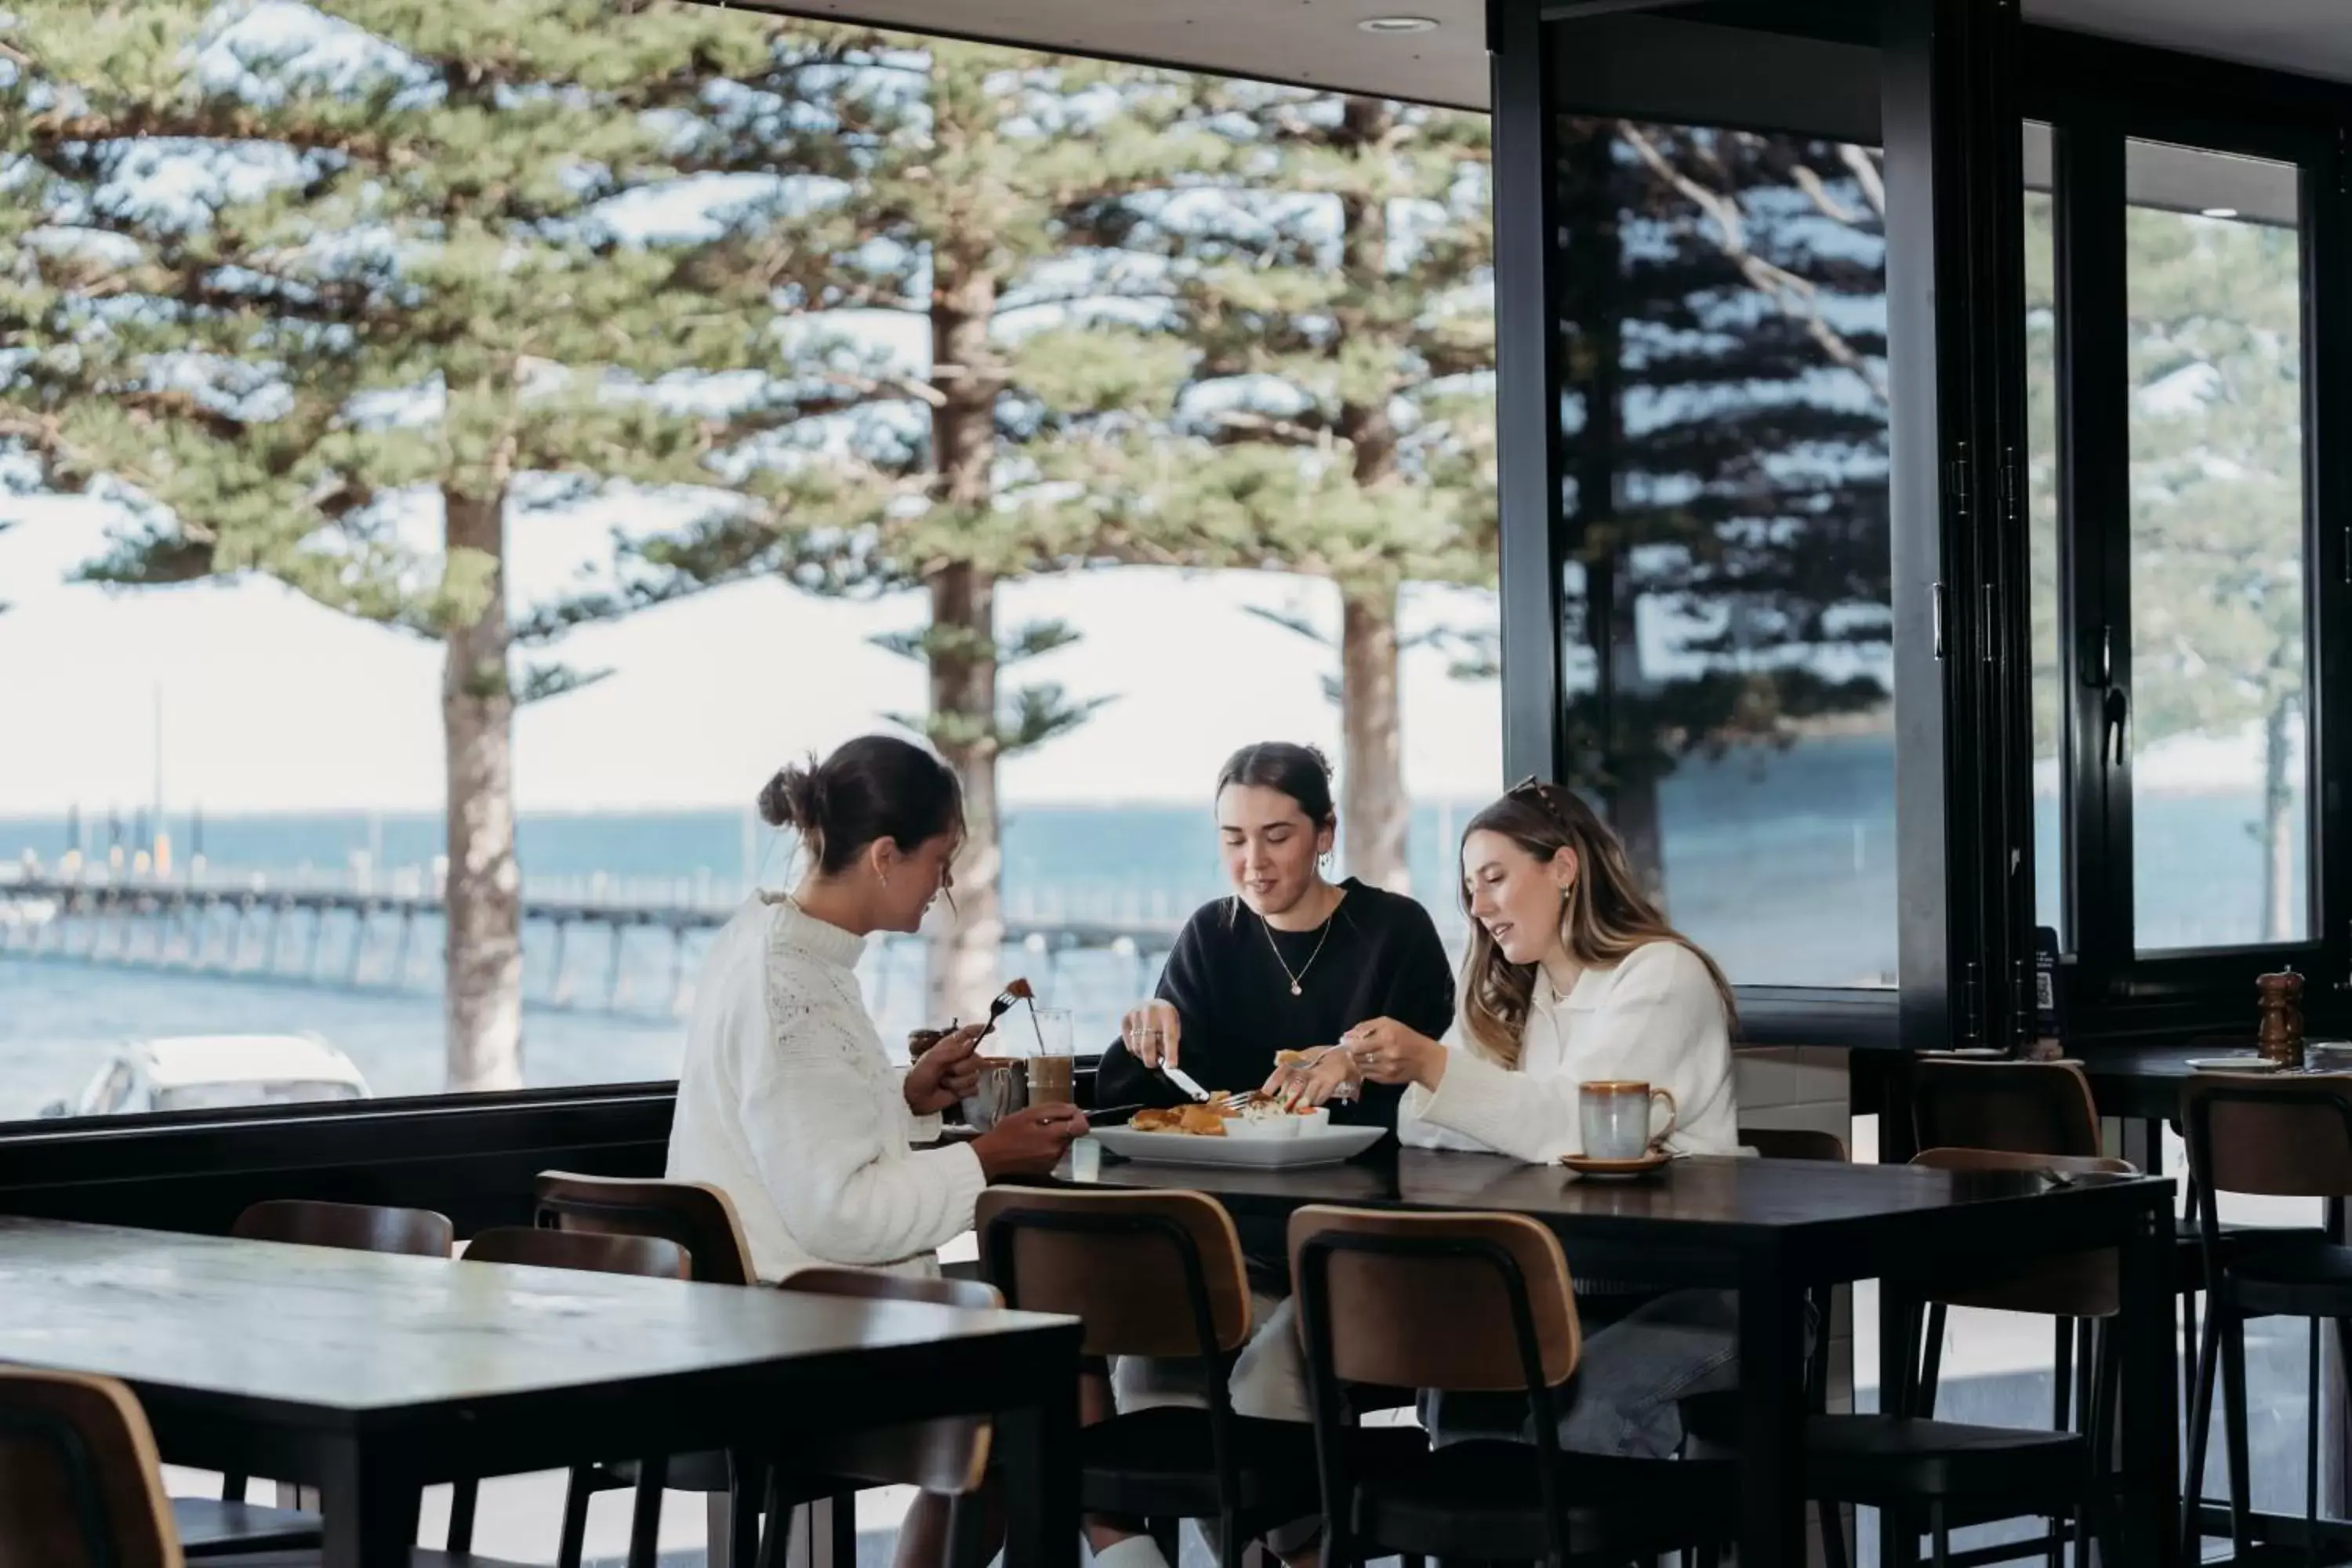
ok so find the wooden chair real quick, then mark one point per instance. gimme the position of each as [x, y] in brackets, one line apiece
[1472, 1302]
[2047, 1107]
[2029, 1107]
[1155, 1274]
[701, 1219]
[80, 1485]
[648, 1255]
[946, 1458]
[2082, 1289]
[353, 1228]
[232, 1526]
[696, 1216]
[2023, 1108]
[1795, 1144]
[2277, 1138]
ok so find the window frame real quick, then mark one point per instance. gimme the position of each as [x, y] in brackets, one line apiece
[2113, 989]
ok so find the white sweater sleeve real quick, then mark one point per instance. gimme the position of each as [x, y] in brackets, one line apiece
[1415, 1128]
[825, 1156]
[1662, 1023]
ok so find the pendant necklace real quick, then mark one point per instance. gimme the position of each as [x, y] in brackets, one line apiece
[1298, 976]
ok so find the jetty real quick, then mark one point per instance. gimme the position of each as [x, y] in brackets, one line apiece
[597, 942]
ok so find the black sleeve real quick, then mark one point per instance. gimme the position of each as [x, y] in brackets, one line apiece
[1119, 1079]
[1421, 980]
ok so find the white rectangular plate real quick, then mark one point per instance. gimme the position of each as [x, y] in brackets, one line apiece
[1327, 1147]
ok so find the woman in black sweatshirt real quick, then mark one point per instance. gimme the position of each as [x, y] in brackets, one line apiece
[1291, 961]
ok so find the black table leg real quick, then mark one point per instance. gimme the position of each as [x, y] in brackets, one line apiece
[1037, 1448]
[1898, 1370]
[371, 1504]
[1772, 1417]
[2151, 1411]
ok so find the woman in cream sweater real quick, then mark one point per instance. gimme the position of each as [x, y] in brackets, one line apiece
[1573, 976]
[788, 1100]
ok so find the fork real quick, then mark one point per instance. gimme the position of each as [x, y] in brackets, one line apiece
[1016, 991]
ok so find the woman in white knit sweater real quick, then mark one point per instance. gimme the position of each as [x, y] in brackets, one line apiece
[788, 1100]
[1573, 976]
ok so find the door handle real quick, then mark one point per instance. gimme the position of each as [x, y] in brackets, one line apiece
[2115, 723]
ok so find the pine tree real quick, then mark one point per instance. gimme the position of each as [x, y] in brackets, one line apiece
[1020, 215]
[1346, 327]
[1725, 442]
[339, 297]
[2214, 347]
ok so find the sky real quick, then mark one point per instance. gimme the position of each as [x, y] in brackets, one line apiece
[272, 703]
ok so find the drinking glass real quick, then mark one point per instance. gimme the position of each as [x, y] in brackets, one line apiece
[1052, 1063]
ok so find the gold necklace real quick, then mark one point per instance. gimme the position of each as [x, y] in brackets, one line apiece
[1298, 978]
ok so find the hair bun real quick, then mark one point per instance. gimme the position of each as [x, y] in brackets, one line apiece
[793, 798]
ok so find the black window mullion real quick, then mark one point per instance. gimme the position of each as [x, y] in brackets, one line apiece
[2094, 550]
[2327, 612]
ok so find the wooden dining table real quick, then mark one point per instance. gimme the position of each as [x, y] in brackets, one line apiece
[370, 1377]
[1771, 1230]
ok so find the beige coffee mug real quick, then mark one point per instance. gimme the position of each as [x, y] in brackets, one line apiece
[1614, 1114]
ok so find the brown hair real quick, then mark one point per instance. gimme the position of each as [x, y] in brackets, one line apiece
[876, 786]
[1299, 771]
[1603, 919]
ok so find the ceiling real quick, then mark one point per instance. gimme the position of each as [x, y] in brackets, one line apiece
[1317, 42]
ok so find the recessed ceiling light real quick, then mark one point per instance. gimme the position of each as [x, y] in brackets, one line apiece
[1394, 27]
[2217, 212]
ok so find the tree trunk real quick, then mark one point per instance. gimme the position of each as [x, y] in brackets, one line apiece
[1633, 814]
[483, 985]
[2278, 822]
[966, 950]
[1374, 814]
[967, 947]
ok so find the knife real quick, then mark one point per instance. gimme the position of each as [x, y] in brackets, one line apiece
[1184, 1080]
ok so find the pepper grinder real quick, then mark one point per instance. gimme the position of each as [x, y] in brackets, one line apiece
[2280, 1034]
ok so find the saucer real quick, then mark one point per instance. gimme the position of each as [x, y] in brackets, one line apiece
[1656, 1159]
[2233, 1064]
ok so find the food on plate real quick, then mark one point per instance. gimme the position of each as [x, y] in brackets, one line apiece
[1225, 1116]
[1199, 1121]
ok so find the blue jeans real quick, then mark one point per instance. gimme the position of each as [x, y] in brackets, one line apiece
[1625, 1397]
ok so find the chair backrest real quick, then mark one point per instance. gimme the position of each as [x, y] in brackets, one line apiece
[2030, 1108]
[80, 1485]
[872, 1285]
[2009, 1160]
[355, 1227]
[2279, 1137]
[585, 1250]
[1795, 1144]
[1434, 1301]
[1149, 1273]
[2077, 1285]
[946, 1455]
[694, 1215]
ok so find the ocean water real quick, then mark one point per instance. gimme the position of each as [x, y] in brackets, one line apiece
[1781, 863]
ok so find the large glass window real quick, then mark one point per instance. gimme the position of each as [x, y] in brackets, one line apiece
[443, 493]
[2169, 550]
[1725, 429]
[2213, 292]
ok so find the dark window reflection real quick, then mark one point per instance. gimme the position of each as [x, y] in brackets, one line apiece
[1725, 421]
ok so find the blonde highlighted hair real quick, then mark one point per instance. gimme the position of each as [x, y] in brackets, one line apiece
[1603, 919]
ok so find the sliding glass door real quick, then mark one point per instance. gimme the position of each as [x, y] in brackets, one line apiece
[2179, 563]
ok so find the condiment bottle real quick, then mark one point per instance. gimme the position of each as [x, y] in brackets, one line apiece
[2280, 1034]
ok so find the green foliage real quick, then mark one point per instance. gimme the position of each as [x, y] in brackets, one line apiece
[1727, 442]
[2218, 640]
[375, 285]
